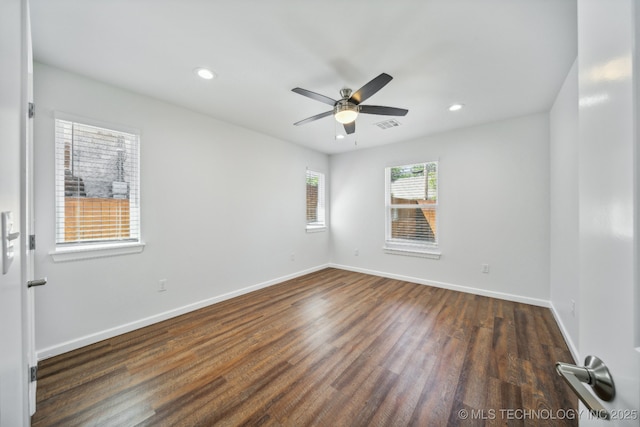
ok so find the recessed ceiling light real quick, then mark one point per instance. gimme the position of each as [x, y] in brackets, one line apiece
[456, 107]
[339, 136]
[205, 73]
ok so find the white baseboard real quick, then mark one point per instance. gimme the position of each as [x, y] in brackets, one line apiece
[141, 323]
[128, 327]
[565, 335]
[466, 289]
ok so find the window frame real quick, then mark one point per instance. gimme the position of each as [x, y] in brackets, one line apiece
[409, 247]
[85, 249]
[321, 204]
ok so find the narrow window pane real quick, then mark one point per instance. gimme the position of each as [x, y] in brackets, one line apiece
[315, 199]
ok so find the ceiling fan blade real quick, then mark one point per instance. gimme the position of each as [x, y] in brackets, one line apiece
[315, 96]
[350, 127]
[383, 111]
[313, 118]
[370, 88]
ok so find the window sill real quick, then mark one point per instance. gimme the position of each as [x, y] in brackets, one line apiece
[77, 253]
[316, 228]
[414, 252]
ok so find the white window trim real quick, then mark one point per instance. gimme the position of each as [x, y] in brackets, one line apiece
[399, 246]
[81, 252]
[318, 226]
[415, 252]
[315, 228]
[88, 250]
[59, 115]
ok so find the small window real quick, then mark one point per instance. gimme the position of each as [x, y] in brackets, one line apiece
[315, 201]
[412, 207]
[97, 185]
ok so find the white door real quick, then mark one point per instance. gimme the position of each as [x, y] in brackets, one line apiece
[609, 319]
[13, 368]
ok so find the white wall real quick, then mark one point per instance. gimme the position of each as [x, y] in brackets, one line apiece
[564, 250]
[494, 209]
[223, 209]
[213, 234]
[13, 368]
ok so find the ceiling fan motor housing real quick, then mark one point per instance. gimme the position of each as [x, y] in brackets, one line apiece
[345, 93]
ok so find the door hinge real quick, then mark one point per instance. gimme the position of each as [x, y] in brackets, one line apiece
[33, 373]
[32, 242]
[32, 110]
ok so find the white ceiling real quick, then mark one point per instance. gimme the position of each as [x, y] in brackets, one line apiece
[501, 58]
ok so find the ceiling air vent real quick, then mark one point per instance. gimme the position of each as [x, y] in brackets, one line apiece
[391, 123]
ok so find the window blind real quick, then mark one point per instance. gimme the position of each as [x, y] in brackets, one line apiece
[97, 184]
[412, 204]
[315, 199]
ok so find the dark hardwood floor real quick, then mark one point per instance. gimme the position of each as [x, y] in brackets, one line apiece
[331, 348]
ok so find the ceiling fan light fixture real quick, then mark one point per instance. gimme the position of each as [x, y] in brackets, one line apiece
[345, 112]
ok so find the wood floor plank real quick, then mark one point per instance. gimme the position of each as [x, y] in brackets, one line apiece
[402, 399]
[330, 348]
[472, 384]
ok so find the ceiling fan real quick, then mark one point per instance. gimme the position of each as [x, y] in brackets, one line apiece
[346, 109]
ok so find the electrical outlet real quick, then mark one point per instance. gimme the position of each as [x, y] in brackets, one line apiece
[293, 256]
[485, 268]
[573, 308]
[356, 252]
[162, 285]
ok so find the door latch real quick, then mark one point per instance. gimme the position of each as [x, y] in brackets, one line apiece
[8, 236]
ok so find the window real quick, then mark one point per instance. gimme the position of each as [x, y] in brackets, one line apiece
[315, 201]
[97, 186]
[412, 209]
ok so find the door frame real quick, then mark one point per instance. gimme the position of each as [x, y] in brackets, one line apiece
[27, 214]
